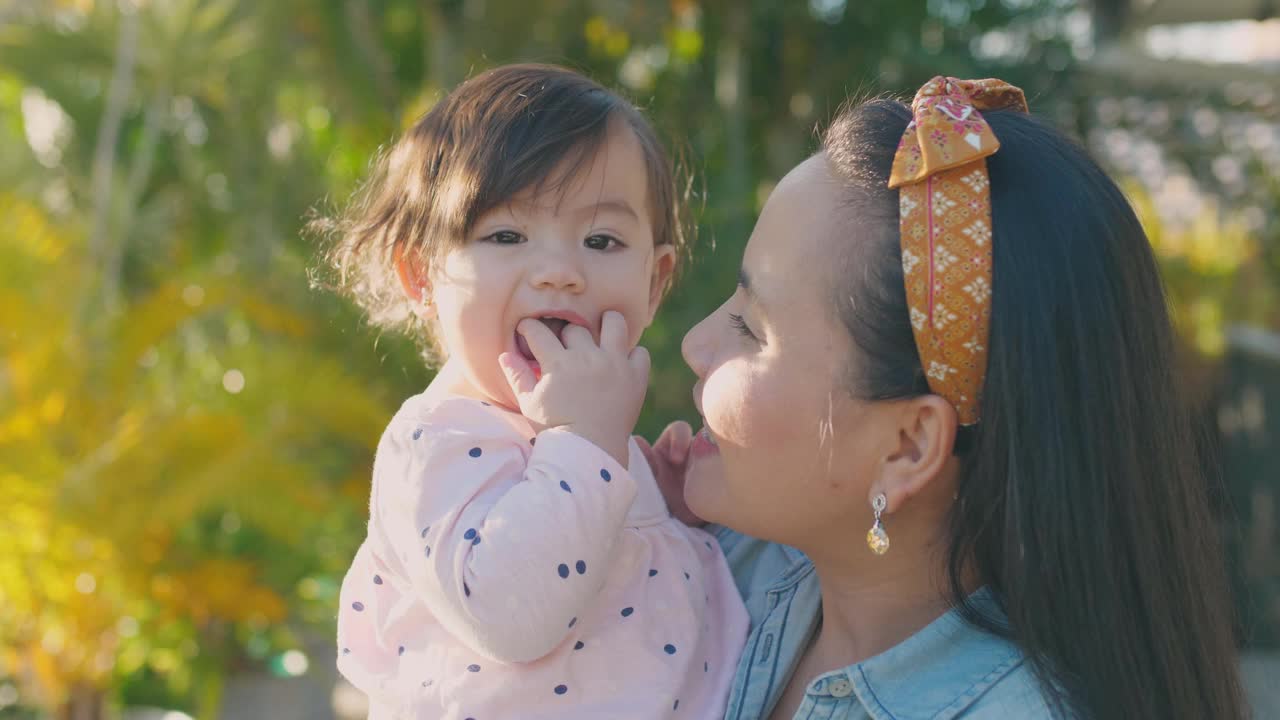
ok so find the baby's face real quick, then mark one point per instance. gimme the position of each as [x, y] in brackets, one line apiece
[565, 256]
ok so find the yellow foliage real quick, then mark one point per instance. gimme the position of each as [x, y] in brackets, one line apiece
[1202, 265]
[111, 444]
[60, 595]
[603, 35]
[225, 589]
[419, 105]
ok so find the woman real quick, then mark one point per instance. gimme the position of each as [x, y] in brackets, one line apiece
[976, 381]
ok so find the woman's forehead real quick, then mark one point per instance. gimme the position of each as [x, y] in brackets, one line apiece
[791, 253]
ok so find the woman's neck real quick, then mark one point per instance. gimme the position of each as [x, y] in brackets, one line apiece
[870, 604]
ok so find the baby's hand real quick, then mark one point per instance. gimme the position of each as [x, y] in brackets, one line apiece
[669, 459]
[595, 391]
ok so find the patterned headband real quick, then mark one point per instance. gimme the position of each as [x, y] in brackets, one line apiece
[944, 215]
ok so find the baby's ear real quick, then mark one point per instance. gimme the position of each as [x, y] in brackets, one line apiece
[411, 269]
[664, 264]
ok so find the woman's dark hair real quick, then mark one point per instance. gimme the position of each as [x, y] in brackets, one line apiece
[509, 129]
[1082, 503]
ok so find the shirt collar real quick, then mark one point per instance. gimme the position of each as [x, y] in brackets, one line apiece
[938, 672]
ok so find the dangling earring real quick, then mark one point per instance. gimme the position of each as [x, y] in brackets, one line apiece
[877, 540]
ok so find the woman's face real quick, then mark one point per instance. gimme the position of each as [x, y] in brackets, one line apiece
[786, 453]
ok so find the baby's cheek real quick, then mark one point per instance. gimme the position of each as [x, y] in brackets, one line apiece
[637, 319]
[632, 300]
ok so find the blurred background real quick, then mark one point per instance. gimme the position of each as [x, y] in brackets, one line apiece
[186, 427]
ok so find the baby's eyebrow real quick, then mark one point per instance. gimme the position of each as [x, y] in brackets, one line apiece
[618, 206]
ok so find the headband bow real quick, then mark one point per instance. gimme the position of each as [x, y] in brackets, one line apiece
[944, 215]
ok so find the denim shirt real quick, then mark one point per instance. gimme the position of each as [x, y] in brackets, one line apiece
[949, 669]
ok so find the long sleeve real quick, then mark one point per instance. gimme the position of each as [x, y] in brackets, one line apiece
[505, 541]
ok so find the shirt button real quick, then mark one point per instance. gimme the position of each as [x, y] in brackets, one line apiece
[840, 687]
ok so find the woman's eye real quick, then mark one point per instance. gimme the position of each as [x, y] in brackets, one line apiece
[504, 237]
[741, 326]
[601, 242]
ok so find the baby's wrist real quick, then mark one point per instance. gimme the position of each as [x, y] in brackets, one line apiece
[615, 444]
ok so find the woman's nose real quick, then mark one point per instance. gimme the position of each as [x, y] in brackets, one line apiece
[696, 346]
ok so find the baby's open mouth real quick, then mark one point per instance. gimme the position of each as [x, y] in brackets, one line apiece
[557, 326]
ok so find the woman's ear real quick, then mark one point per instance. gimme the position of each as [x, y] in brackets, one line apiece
[915, 463]
[414, 281]
[664, 264]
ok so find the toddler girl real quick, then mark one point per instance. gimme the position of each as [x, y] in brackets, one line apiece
[520, 561]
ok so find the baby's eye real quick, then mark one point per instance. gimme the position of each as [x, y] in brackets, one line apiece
[504, 237]
[602, 242]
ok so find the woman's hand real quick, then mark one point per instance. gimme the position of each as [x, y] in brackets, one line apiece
[669, 459]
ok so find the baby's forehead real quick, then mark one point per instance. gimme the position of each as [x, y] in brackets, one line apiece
[614, 179]
[608, 178]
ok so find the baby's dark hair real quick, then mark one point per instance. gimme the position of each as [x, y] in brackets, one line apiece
[509, 129]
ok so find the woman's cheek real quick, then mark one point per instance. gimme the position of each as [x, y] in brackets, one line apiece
[725, 399]
[749, 410]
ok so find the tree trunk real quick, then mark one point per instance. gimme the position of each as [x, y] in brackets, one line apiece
[365, 35]
[441, 45]
[104, 161]
[732, 94]
[85, 703]
[1163, 12]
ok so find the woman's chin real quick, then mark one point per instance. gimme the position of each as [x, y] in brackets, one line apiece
[704, 485]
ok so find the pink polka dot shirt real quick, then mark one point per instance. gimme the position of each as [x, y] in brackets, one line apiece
[508, 575]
